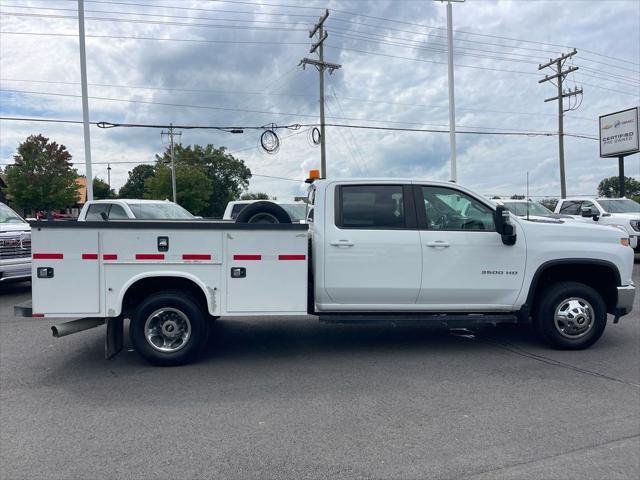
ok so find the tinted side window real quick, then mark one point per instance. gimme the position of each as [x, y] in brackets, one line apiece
[448, 209]
[371, 206]
[117, 212]
[95, 210]
[570, 208]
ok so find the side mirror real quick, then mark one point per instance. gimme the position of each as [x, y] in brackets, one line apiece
[104, 216]
[502, 221]
[587, 212]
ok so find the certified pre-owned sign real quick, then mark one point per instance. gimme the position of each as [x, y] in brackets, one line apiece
[619, 133]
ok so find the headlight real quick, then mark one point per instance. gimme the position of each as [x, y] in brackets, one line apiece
[635, 224]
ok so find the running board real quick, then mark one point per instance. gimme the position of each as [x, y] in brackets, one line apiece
[446, 320]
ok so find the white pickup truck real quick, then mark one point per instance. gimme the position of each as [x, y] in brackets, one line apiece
[613, 212]
[376, 250]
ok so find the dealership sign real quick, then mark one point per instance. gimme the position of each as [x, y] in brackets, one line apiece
[619, 133]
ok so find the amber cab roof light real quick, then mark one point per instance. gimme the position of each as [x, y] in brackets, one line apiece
[313, 175]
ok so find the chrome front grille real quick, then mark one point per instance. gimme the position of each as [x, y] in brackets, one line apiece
[15, 245]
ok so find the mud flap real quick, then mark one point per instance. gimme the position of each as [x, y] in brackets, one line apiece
[114, 337]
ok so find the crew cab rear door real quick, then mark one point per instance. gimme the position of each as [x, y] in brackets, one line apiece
[372, 253]
[465, 265]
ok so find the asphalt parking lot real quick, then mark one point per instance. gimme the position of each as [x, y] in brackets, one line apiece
[276, 398]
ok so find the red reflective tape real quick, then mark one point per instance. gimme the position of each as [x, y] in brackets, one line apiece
[109, 256]
[247, 257]
[48, 256]
[196, 256]
[89, 256]
[149, 256]
[37, 315]
[292, 257]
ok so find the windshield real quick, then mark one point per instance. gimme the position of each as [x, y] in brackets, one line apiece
[297, 211]
[623, 205]
[160, 210]
[9, 216]
[520, 209]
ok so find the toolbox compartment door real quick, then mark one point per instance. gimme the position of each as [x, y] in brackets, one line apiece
[273, 272]
[74, 285]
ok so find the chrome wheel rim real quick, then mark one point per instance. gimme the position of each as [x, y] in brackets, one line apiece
[263, 218]
[573, 317]
[167, 330]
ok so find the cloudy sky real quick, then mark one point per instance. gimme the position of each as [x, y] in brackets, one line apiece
[235, 63]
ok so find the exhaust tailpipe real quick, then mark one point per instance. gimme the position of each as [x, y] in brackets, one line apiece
[75, 326]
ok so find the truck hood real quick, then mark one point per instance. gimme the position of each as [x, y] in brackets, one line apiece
[625, 216]
[579, 232]
[14, 227]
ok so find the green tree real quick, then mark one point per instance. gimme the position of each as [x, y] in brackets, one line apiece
[42, 177]
[228, 176]
[192, 186]
[550, 203]
[254, 196]
[101, 190]
[134, 187]
[609, 187]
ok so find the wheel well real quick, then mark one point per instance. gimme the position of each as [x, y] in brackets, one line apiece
[603, 278]
[144, 287]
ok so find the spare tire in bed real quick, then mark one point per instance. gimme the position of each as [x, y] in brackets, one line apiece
[263, 212]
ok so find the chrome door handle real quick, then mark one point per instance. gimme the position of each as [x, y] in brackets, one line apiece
[438, 243]
[342, 243]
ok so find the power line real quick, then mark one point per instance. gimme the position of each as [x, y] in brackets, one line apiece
[210, 107]
[189, 40]
[152, 22]
[111, 12]
[298, 126]
[195, 9]
[358, 14]
[252, 42]
[265, 93]
[369, 52]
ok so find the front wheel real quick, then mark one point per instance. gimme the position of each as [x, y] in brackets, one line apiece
[169, 328]
[570, 316]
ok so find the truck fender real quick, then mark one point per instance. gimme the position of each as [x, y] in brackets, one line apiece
[568, 262]
[209, 292]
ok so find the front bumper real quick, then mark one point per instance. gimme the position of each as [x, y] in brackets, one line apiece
[626, 296]
[20, 270]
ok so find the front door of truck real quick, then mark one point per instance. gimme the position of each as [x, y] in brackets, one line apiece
[372, 253]
[465, 265]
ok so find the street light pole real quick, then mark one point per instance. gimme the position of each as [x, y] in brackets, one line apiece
[452, 102]
[85, 101]
[452, 107]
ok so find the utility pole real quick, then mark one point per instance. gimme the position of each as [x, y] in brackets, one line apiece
[557, 66]
[109, 175]
[85, 101]
[171, 134]
[321, 65]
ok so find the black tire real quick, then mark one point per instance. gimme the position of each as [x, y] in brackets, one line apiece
[263, 212]
[575, 303]
[177, 306]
